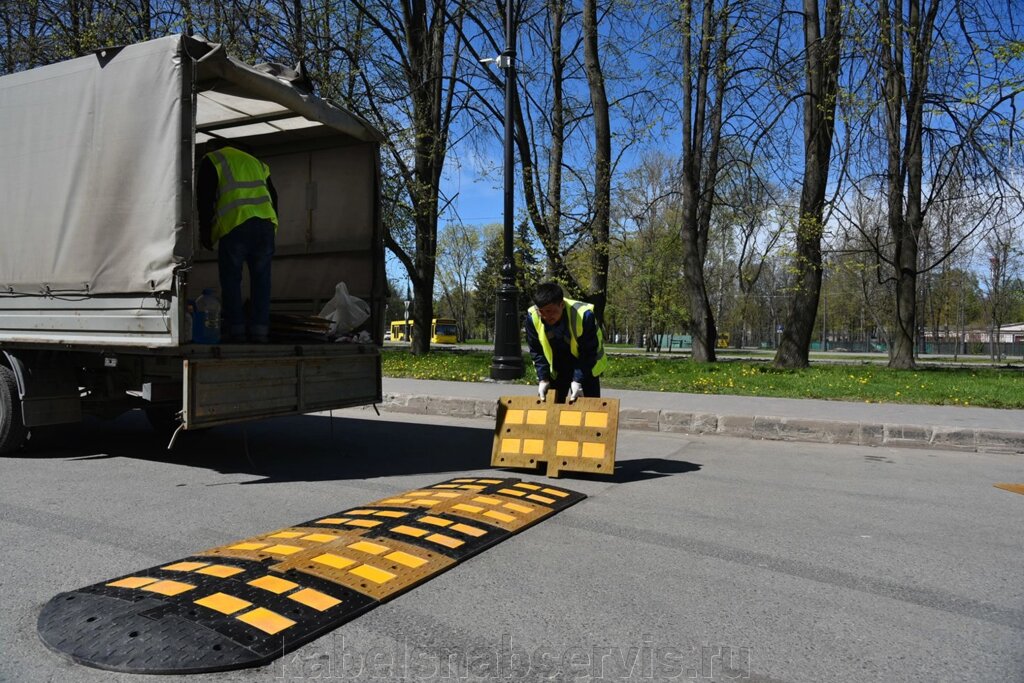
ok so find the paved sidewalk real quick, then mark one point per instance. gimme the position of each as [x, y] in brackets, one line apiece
[866, 424]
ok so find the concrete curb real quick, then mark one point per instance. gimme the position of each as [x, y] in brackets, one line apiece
[765, 427]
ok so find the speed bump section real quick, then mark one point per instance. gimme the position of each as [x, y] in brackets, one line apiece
[249, 601]
[215, 623]
[576, 437]
[378, 568]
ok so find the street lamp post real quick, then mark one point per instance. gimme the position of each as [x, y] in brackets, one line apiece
[507, 362]
[408, 300]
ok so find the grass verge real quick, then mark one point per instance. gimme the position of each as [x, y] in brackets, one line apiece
[983, 387]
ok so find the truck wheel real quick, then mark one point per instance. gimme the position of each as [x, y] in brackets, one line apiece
[12, 429]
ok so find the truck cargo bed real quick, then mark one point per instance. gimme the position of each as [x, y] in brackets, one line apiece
[256, 381]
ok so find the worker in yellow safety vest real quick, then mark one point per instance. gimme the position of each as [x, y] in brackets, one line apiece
[566, 343]
[237, 206]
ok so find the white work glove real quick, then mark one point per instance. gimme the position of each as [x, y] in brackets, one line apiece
[575, 391]
[542, 389]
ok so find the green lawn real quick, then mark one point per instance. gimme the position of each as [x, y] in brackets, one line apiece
[829, 356]
[988, 387]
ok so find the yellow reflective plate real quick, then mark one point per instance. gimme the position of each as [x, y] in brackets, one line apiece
[132, 582]
[372, 573]
[332, 560]
[248, 546]
[405, 559]
[315, 599]
[168, 587]
[446, 541]
[468, 530]
[266, 621]
[223, 603]
[185, 566]
[367, 547]
[274, 584]
[220, 570]
[282, 549]
[319, 538]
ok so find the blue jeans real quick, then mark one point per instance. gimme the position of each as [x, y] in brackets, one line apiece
[251, 243]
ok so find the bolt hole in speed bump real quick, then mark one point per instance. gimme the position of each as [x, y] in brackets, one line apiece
[569, 437]
[248, 602]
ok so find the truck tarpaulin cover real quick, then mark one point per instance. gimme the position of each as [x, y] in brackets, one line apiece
[89, 166]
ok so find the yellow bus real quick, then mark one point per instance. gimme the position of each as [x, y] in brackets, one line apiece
[399, 331]
[442, 331]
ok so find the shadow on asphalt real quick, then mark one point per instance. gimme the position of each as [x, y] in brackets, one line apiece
[302, 448]
[626, 471]
[311, 448]
[650, 468]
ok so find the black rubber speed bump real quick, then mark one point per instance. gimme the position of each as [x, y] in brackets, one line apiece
[250, 601]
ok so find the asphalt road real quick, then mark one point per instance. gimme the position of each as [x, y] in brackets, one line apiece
[705, 559]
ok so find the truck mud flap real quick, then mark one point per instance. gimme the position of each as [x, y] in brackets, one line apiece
[225, 390]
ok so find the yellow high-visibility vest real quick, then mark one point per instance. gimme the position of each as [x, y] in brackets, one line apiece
[241, 190]
[574, 311]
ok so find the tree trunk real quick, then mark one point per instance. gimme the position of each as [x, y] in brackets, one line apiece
[702, 322]
[906, 155]
[145, 20]
[546, 214]
[186, 16]
[599, 226]
[822, 76]
[299, 37]
[553, 212]
[795, 341]
[702, 113]
[10, 58]
[417, 33]
[423, 305]
[431, 108]
[426, 249]
[902, 355]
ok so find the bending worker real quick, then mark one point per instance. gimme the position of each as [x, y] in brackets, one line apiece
[566, 343]
[237, 206]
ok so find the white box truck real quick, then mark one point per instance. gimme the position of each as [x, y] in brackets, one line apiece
[99, 243]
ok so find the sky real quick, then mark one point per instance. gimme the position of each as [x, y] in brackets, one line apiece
[478, 199]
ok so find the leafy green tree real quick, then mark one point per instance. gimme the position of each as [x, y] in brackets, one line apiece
[645, 299]
[529, 273]
[458, 261]
[1002, 280]
[939, 133]
[394, 305]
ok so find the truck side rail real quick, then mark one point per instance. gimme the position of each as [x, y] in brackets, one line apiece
[123, 320]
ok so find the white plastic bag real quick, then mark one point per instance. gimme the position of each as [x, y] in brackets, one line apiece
[345, 311]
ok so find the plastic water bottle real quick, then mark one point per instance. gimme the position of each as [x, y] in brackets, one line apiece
[209, 306]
